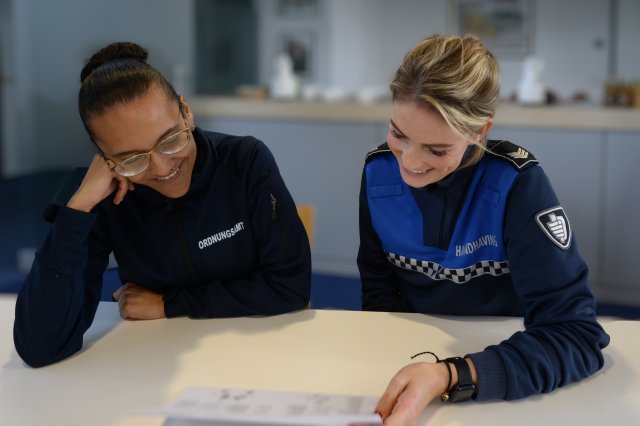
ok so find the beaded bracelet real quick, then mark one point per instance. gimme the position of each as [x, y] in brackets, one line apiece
[445, 394]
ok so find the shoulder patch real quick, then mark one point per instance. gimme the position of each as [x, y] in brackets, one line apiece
[555, 224]
[511, 152]
[380, 149]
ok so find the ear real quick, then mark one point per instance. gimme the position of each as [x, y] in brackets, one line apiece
[485, 129]
[110, 164]
[187, 113]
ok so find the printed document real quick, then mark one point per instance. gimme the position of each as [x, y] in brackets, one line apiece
[220, 406]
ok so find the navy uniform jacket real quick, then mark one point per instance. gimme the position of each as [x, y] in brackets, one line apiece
[232, 246]
[490, 239]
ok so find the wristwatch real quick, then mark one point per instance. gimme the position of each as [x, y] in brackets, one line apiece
[465, 388]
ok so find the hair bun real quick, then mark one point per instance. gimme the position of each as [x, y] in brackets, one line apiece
[118, 50]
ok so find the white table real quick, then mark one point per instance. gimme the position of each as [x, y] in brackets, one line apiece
[129, 366]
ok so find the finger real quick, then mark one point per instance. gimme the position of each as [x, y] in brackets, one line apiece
[99, 159]
[405, 412]
[390, 396]
[116, 294]
[123, 186]
[121, 307]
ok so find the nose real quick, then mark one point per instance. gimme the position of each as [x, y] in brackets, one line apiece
[412, 158]
[161, 165]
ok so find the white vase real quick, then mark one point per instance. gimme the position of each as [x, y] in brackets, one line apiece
[284, 84]
[531, 89]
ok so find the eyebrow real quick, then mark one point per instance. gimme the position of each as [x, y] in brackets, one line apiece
[169, 132]
[433, 145]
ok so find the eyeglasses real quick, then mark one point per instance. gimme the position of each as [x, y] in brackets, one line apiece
[138, 163]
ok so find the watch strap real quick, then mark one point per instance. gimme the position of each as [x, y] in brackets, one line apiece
[465, 387]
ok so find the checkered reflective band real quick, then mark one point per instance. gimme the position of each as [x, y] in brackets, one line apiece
[438, 272]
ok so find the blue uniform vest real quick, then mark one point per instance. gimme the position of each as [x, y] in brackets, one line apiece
[477, 246]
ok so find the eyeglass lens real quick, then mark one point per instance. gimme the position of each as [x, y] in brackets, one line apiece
[139, 163]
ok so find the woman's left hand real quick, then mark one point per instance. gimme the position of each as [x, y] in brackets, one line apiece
[138, 303]
[410, 391]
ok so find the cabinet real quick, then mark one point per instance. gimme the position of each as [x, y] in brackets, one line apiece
[593, 171]
[596, 177]
[620, 226]
[573, 161]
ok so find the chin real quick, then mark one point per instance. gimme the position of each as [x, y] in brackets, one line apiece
[174, 193]
[174, 190]
[417, 185]
[416, 182]
[177, 187]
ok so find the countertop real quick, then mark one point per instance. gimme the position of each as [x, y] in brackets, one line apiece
[577, 117]
[128, 366]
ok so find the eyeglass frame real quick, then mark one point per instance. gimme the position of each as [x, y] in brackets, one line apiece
[112, 164]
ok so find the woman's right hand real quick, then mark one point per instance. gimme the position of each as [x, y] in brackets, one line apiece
[97, 184]
[410, 391]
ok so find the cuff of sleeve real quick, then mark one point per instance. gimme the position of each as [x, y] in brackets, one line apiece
[492, 378]
[172, 307]
[69, 236]
[74, 219]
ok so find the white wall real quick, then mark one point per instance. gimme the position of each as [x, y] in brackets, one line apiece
[367, 40]
[567, 36]
[17, 129]
[628, 63]
[404, 24]
[354, 33]
[361, 43]
[50, 42]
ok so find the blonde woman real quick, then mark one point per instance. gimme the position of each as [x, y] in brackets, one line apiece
[451, 223]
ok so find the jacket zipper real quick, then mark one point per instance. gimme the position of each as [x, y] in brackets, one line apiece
[186, 258]
[443, 221]
[283, 230]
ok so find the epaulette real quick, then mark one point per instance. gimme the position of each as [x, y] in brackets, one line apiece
[378, 150]
[511, 152]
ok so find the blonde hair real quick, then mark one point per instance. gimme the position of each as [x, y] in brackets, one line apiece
[455, 76]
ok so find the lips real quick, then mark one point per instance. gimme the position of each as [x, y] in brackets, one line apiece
[175, 172]
[414, 172]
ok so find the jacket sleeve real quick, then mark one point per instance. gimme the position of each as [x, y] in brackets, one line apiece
[282, 282]
[60, 295]
[562, 341]
[380, 291]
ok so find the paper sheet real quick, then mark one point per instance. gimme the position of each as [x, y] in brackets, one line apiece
[219, 406]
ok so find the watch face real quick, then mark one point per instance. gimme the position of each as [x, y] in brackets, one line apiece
[461, 392]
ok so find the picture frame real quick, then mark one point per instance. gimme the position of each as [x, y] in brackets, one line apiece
[301, 46]
[298, 8]
[504, 26]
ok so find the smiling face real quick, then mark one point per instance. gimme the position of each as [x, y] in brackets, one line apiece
[136, 127]
[426, 148]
